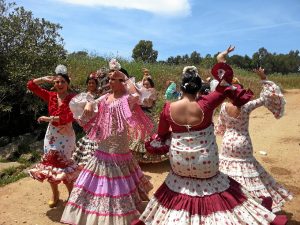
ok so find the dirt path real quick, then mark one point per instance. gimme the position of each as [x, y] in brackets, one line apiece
[25, 202]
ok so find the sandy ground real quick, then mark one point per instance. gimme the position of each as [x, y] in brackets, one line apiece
[25, 201]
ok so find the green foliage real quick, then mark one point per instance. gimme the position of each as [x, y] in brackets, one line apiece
[193, 59]
[29, 47]
[144, 52]
[81, 64]
[161, 72]
[12, 174]
[272, 62]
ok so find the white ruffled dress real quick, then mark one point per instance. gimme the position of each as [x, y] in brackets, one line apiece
[236, 155]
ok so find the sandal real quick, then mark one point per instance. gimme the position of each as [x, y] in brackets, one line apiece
[53, 203]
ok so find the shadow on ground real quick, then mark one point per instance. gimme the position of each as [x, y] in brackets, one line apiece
[156, 167]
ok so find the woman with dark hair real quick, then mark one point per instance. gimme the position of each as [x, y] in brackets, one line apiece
[195, 192]
[137, 146]
[59, 143]
[85, 147]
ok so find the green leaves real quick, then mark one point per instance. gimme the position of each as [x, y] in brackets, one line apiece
[144, 52]
[29, 47]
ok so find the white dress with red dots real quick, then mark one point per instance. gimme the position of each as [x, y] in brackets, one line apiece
[236, 157]
[56, 165]
[195, 192]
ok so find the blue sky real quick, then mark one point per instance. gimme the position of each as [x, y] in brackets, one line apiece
[175, 27]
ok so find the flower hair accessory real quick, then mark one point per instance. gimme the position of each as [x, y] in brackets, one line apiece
[93, 75]
[61, 69]
[114, 65]
[185, 85]
[190, 69]
[222, 71]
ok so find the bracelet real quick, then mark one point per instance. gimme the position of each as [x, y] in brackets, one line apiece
[51, 119]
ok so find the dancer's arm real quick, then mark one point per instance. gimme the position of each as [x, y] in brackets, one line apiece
[33, 85]
[157, 144]
[251, 105]
[221, 57]
[220, 126]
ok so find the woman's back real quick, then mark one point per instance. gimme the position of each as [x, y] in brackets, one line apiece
[186, 113]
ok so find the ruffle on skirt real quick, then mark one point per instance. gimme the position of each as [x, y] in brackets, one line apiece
[85, 149]
[55, 168]
[197, 187]
[138, 149]
[141, 155]
[109, 190]
[255, 179]
[221, 208]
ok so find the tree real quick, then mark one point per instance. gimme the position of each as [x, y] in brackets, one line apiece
[195, 58]
[28, 47]
[143, 51]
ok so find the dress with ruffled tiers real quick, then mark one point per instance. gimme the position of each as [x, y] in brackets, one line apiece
[111, 187]
[137, 146]
[85, 148]
[56, 165]
[236, 157]
[195, 192]
[138, 149]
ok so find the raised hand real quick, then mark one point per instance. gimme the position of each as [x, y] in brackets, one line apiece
[261, 73]
[221, 56]
[230, 49]
[48, 79]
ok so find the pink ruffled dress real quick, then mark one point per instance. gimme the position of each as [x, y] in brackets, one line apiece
[111, 186]
[195, 191]
[236, 157]
[137, 146]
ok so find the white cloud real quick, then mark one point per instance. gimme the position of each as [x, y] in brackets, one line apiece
[161, 7]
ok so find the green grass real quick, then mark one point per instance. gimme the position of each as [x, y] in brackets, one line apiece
[80, 67]
[12, 174]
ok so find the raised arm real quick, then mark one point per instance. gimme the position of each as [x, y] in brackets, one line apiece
[33, 85]
[222, 56]
[251, 105]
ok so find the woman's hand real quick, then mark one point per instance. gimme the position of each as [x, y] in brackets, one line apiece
[261, 73]
[44, 119]
[230, 49]
[88, 110]
[221, 56]
[48, 79]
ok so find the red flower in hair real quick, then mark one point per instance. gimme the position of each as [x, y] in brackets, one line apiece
[222, 71]
[93, 75]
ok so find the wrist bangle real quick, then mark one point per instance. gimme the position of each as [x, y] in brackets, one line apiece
[51, 119]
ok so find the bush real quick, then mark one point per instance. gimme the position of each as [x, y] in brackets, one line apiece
[29, 47]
